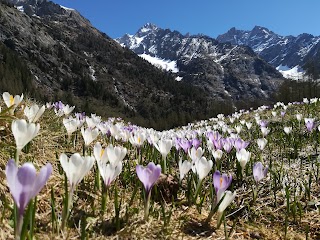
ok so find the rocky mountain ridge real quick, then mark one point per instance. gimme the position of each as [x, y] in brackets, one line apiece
[222, 70]
[283, 52]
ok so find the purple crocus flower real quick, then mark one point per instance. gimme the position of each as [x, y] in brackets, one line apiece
[213, 136]
[218, 144]
[148, 175]
[185, 144]
[80, 116]
[227, 144]
[263, 123]
[177, 143]
[259, 172]
[221, 182]
[310, 124]
[196, 143]
[240, 144]
[58, 105]
[24, 184]
[283, 113]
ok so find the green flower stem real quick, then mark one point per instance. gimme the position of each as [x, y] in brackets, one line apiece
[164, 160]
[66, 210]
[17, 156]
[104, 199]
[220, 218]
[225, 228]
[147, 206]
[19, 225]
[198, 188]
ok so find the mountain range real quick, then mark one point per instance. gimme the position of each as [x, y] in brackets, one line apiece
[288, 54]
[222, 70]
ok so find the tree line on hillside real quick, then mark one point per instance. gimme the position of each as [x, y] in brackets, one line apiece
[15, 76]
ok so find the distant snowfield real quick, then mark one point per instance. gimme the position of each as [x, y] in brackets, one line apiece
[295, 73]
[167, 65]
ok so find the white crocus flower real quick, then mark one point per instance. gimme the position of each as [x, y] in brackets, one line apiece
[76, 168]
[299, 117]
[164, 146]
[23, 132]
[154, 137]
[109, 171]
[184, 168]
[238, 128]
[11, 101]
[92, 122]
[249, 125]
[71, 124]
[287, 130]
[217, 154]
[243, 157]
[89, 135]
[34, 112]
[115, 154]
[137, 139]
[195, 154]
[114, 130]
[67, 109]
[227, 199]
[203, 167]
[265, 131]
[262, 142]
[103, 127]
[99, 153]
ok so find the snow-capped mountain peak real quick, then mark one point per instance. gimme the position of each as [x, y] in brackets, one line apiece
[147, 28]
[289, 51]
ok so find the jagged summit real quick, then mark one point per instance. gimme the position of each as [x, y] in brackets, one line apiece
[148, 27]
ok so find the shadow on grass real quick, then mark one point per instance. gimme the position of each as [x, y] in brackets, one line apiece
[198, 229]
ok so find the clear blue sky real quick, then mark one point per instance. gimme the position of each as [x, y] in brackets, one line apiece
[210, 17]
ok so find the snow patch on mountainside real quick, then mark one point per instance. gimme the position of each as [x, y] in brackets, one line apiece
[20, 8]
[295, 73]
[179, 78]
[92, 73]
[66, 8]
[167, 65]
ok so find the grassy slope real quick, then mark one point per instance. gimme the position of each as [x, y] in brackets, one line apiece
[261, 220]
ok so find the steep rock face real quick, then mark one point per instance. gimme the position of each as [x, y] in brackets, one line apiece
[71, 60]
[223, 70]
[278, 50]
